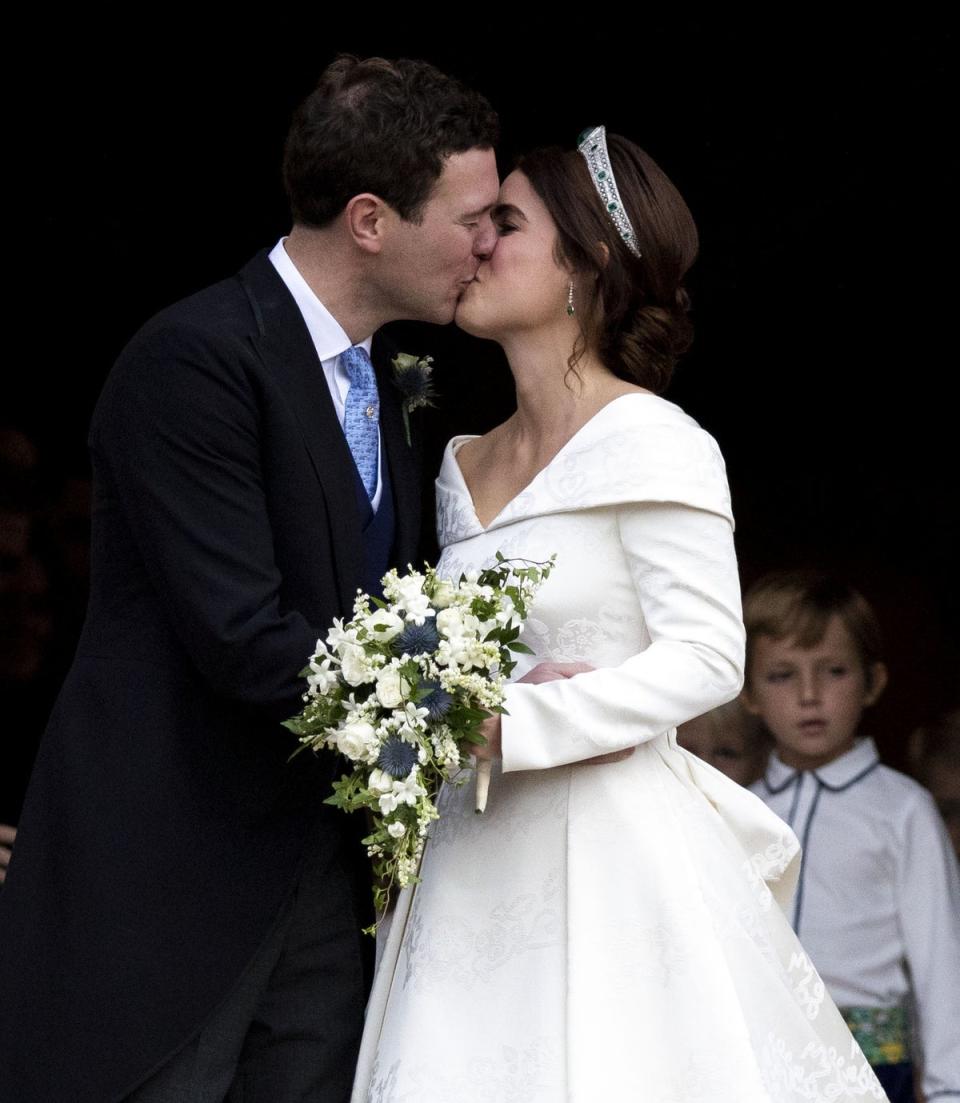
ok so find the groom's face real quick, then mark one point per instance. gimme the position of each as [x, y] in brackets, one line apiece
[433, 261]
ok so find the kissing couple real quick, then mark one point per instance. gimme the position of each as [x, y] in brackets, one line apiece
[182, 914]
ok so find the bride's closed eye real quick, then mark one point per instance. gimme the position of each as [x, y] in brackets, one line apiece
[507, 218]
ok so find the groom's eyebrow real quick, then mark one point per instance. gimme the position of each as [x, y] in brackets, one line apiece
[479, 211]
[507, 210]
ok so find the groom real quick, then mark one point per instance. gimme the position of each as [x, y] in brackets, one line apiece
[181, 916]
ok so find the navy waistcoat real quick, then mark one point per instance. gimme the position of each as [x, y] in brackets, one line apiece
[378, 528]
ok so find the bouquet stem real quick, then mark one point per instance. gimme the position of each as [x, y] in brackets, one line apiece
[484, 766]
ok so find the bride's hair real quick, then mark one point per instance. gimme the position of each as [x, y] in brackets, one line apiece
[633, 311]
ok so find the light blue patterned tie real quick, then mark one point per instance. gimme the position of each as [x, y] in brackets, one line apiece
[361, 416]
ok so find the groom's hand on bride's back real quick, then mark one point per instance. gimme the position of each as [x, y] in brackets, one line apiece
[547, 672]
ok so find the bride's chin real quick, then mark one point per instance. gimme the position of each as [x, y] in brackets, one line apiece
[467, 320]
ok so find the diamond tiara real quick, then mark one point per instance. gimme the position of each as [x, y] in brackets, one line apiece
[593, 146]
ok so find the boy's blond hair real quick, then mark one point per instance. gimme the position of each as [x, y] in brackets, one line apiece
[798, 604]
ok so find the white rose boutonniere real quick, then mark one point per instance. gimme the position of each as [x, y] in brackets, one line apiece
[413, 377]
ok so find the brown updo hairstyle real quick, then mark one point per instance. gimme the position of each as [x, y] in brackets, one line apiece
[633, 311]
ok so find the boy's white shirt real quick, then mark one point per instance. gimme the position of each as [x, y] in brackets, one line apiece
[878, 903]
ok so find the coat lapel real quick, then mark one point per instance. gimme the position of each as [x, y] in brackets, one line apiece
[402, 457]
[283, 342]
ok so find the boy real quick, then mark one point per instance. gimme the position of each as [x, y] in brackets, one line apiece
[878, 901]
[730, 740]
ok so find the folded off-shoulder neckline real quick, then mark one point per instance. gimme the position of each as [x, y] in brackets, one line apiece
[457, 442]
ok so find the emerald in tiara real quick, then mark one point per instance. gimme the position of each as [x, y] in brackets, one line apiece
[593, 145]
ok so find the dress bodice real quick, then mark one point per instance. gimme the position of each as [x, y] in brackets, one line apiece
[636, 508]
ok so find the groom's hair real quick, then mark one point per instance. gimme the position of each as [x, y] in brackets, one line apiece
[379, 126]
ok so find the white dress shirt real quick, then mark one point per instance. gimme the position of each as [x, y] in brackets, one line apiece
[329, 339]
[878, 903]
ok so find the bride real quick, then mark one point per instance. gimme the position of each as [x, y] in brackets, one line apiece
[607, 931]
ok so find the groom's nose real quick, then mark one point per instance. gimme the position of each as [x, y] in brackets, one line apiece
[486, 238]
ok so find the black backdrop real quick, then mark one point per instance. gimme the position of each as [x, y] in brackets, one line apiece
[814, 156]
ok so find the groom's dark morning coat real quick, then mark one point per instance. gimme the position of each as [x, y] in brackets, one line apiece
[164, 827]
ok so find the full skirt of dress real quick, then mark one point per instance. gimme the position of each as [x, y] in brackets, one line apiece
[649, 960]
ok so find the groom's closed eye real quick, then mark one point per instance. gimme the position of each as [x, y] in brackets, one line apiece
[473, 218]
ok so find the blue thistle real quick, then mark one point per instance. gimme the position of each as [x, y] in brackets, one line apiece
[397, 758]
[412, 374]
[417, 639]
[415, 386]
[437, 702]
[413, 377]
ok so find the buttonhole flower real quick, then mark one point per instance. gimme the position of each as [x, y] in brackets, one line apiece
[413, 378]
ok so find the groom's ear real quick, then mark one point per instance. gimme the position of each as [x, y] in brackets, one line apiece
[365, 216]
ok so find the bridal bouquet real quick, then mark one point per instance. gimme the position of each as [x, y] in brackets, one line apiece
[401, 691]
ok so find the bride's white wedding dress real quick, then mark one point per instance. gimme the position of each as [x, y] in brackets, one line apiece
[608, 932]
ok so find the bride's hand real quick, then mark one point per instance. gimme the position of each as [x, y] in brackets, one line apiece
[550, 672]
[542, 672]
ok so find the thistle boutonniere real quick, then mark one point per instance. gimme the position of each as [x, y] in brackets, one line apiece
[413, 377]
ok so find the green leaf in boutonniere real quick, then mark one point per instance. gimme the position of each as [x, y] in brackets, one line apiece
[413, 377]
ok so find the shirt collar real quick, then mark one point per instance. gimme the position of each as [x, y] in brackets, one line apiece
[328, 336]
[838, 774]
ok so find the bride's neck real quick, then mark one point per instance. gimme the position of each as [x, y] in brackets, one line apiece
[553, 402]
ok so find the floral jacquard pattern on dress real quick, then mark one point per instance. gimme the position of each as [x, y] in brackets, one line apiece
[616, 931]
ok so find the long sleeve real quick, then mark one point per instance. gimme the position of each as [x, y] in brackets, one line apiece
[928, 896]
[683, 567]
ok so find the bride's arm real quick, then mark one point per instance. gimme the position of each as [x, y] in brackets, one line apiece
[684, 568]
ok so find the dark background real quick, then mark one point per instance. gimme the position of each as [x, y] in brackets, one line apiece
[815, 156]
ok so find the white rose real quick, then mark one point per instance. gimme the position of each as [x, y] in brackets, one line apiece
[380, 781]
[450, 622]
[444, 593]
[396, 830]
[418, 608]
[410, 589]
[383, 625]
[390, 687]
[354, 665]
[353, 740]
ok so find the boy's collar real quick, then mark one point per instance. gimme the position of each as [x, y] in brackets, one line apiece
[838, 774]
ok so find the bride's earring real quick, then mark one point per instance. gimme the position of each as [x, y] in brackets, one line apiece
[571, 309]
